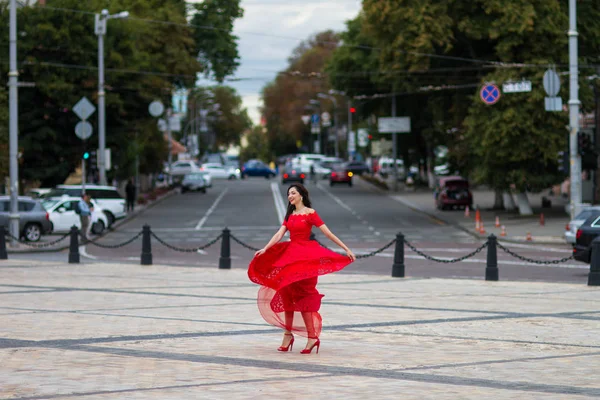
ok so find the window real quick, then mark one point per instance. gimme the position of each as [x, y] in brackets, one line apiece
[26, 206]
[4, 206]
[596, 223]
[104, 194]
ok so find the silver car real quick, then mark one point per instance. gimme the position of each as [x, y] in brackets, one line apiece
[573, 225]
[34, 221]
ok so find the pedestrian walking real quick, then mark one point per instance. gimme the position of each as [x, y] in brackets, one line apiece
[130, 193]
[288, 272]
[313, 175]
[85, 209]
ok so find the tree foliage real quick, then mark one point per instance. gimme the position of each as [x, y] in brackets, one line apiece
[257, 146]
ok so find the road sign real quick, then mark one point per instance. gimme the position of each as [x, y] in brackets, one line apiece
[490, 94]
[326, 118]
[84, 108]
[393, 124]
[351, 142]
[551, 82]
[156, 108]
[305, 119]
[553, 103]
[363, 137]
[516, 87]
[314, 119]
[83, 130]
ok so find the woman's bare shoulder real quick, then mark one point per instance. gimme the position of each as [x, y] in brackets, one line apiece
[310, 210]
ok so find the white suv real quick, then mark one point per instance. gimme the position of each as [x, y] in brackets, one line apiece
[107, 197]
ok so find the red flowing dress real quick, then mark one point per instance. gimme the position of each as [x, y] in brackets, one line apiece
[288, 274]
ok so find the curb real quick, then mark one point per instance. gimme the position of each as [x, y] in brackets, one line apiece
[115, 225]
[457, 225]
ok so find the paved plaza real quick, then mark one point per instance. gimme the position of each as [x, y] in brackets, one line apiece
[110, 331]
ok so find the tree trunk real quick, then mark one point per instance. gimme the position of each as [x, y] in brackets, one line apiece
[498, 200]
[523, 203]
[509, 202]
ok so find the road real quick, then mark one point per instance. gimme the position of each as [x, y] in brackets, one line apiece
[361, 216]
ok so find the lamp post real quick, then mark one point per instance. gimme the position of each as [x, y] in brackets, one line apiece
[100, 30]
[317, 105]
[335, 119]
[13, 75]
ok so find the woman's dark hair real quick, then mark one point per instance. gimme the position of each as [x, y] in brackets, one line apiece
[305, 199]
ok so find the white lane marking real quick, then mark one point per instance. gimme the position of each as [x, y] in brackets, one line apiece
[279, 206]
[528, 246]
[201, 252]
[85, 254]
[337, 199]
[407, 203]
[210, 210]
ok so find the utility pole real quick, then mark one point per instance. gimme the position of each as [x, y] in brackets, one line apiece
[13, 75]
[394, 145]
[170, 157]
[574, 110]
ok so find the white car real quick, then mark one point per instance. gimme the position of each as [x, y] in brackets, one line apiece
[220, 171]
[108, 197]
[180, 168]
[61, 211]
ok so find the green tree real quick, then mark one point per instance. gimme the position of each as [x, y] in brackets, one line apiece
[257, 146]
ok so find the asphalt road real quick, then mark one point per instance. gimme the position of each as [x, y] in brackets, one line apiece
[364, 218]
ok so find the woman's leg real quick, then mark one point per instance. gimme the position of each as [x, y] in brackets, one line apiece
[287, 335]
[310, 328]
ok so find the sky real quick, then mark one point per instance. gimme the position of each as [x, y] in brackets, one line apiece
[271, 29]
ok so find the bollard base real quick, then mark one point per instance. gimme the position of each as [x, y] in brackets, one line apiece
[491, 274]
[398, 271]
[224, 263]
[146, 259]
[73, 258]
[594, 278]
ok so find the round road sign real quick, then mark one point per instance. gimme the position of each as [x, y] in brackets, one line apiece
[551, 82]
[83, 130]
[490, 93]
[156, 108]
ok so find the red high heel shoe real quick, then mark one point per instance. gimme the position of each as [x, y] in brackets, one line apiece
[316, 344]
[290, 344]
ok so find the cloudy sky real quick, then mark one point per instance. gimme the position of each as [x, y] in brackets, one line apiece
[271, 29]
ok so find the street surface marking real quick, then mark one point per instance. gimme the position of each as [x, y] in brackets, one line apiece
[336, 199]
[210, 210]
[85, 253]
[279, 206]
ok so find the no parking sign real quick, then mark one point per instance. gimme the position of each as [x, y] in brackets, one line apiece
[490, 94]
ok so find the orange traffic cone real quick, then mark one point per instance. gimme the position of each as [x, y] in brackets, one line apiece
[477, 215]
[467, 212]
[481, 228]
[477, 225]
[529, 238]
[542, 221]
[497, 222]
[503, 233]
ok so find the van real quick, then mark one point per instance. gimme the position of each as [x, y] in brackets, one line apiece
[304, 161]
[385, 166]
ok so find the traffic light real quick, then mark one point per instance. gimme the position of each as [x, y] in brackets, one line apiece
[564, 162]
[93, 160]
[352, 110]
[86, 155]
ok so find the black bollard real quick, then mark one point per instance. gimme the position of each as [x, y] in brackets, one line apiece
[594, 275]
[3, 253]
[398, 267]
[491, 268]
[74, 246]
[225, 260]
[146, 258]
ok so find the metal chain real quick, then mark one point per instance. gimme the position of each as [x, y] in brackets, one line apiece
[512, 253]
[183, 250]
[238, 241]
[109, 246]
[41, 245]
[455, 260]
[371, 254]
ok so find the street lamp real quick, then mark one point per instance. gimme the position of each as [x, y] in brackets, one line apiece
[13, 84]
[100, 30]
[335, 119]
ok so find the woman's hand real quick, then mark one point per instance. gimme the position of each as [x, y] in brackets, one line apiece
[350, 254]
[259, 252]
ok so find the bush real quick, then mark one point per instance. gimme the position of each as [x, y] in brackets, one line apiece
[375, 181]
[141, 200]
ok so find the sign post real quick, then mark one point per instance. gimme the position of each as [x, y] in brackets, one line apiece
[83, 130]
[394, 125]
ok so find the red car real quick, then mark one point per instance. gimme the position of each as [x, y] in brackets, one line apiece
[453, 192]
[340, 174]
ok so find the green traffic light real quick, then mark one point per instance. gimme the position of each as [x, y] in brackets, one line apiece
[86, 155]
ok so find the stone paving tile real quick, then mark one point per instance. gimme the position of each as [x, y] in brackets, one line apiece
[111, 331]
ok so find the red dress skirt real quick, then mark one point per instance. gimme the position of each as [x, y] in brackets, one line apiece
[288, 274]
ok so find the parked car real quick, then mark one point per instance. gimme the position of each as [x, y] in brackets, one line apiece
[357, 167]
[291, 174]
[180, 168]
[63, 216]
[34, 220]
[257, 168]
[193, 183]
[340, 174]
[587, 232]
[108, 197]
[453, 192]
[38, 192]
[303, 162]
[573, 225]
[220, 171]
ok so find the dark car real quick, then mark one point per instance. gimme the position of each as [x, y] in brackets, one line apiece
[357, 167]
[257, 168]
[193, 182]
[292, 174]
[587, 232]
[453, 192]
[34, 221]
[340, 174]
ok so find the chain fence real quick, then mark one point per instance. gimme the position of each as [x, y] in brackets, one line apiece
[238, 241]
[186, 250]
[442, 260]
[94, 242]
[530, 260]
[38, 245]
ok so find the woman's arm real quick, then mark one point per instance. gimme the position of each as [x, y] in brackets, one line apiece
[276, 238]
[337, 241]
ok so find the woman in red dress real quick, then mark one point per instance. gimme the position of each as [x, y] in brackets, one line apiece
[288, 272]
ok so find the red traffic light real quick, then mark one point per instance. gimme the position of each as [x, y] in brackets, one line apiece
[352, 110]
